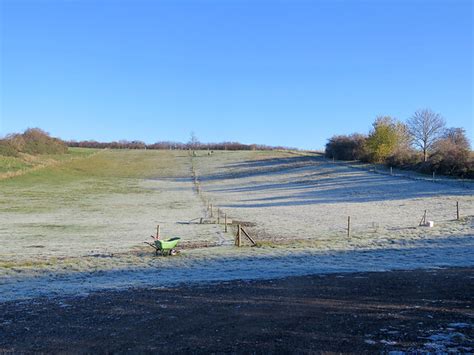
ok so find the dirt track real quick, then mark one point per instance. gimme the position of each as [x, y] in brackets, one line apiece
[364, 312]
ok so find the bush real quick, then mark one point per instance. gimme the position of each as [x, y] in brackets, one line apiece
[39, 142]
[403, 159]
[452, 155]
[7, 149]
[32, 141]
[350, 147]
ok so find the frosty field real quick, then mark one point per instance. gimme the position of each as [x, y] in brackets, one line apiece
[80, 225]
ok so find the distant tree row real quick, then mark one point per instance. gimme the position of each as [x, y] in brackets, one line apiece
[421, 143]
[33, 141]
[36, 141]
[122, 144]
[193, 144]
[166, 145]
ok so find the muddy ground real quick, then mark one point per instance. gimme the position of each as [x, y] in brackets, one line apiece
[423, 310]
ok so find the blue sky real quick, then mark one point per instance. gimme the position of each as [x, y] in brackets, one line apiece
[275, 72]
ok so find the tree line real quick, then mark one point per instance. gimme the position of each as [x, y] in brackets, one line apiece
[36, 141]
[167, 145]
[192, 144]
[422, 143]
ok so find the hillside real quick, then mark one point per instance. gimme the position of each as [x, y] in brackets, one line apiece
[34, 149]
[11, 166]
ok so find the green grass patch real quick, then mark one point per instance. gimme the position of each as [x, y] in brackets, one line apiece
[87, 176]
[12, 164]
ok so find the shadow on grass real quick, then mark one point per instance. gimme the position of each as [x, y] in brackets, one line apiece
[354, 188]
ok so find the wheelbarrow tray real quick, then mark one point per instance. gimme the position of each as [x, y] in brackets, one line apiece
[167, 244]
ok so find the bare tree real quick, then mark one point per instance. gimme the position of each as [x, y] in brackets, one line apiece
[193, 141]
[425, 128]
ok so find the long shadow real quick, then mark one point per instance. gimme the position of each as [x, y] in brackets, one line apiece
[429, 252]
[314, 180]
[239, 174]
[261, 167]
[274, 161]
[305, 182]
[355, 189]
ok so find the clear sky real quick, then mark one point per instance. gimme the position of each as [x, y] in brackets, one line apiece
[274, 72]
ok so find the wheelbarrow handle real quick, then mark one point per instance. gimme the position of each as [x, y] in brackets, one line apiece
[152, 245]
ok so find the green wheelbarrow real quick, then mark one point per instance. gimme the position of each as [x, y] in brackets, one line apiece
[166, 247]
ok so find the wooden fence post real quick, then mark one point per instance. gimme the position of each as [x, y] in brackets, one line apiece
[457, 210]
[218, 216]
[211, 210]
[240, 236]
[236, 236]
[225, 222]
[423, 219]
[158, 231]
[237, 241]
[348, 226]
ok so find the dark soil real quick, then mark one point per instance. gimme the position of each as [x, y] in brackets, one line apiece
[349, 313]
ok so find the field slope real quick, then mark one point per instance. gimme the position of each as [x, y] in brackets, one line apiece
[79, 225]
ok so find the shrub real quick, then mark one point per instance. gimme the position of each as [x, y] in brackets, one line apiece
[39, 142]
[403, 158]
[452, 155]
[32, 141]
[7, 149]
[350, 147]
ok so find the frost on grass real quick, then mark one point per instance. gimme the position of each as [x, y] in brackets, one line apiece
[308, 198]
[81, 226]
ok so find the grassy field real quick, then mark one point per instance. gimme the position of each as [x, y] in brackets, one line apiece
[308, 199]
[92, 210]
[14, 166]
[104, 203]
